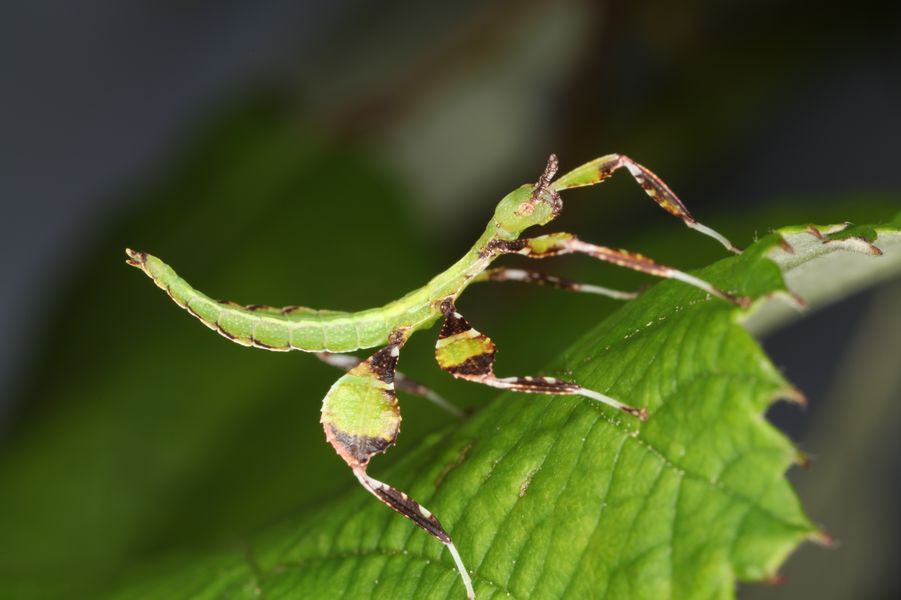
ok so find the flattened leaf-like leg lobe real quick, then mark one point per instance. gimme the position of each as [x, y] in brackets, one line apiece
[360, 413]
[469, 354]
[599, 169]
[361, 418]
[402, 383]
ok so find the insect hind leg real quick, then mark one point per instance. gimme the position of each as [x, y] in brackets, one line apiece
[402, 383]
[541, 279]
[361, 418]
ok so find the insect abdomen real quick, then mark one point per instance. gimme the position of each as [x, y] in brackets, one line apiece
[270, 328]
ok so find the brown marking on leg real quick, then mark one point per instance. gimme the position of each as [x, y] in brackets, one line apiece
[541, 279]
[550, 169]
[356, 450]
[403, 504]
[474, 365]
[414, 511]
[384, 362]
[468, 354]
[454, 323]
[361, 418]
[600, 169]
[657, 189]
[367, 387]
[497, 247]
[556, 244]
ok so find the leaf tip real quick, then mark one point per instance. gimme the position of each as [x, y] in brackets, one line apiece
[790, 394]
[823, 539]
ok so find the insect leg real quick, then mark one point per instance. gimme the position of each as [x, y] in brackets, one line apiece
[361, 418]
[468, 354]
[599, 169]
[402, 503]
[507, 274]
[402, 383]
[557, 244]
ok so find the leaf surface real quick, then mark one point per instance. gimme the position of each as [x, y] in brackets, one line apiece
[556, 497]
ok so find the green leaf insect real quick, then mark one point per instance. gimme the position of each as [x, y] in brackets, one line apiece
[360, 412]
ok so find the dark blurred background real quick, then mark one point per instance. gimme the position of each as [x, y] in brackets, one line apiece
[337, 154]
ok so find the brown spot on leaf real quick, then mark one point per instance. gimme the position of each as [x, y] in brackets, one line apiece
[524, 486]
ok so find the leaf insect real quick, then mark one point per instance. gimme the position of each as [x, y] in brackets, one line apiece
[360, 413]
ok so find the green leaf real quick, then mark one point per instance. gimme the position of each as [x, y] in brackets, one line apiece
[556, 497]
[835, 274]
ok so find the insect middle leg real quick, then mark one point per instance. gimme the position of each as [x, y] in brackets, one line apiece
[596, 171]
[469, 354]
[558, 244]
[508, 274]
[361, 418]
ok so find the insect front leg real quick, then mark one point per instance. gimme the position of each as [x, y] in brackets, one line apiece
[361, 418]
[558, 244]
[599, 169]
[469, 354]
[402, 383]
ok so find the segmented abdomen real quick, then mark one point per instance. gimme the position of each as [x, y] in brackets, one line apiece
[279, 329]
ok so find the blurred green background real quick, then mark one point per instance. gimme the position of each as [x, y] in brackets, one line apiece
[338, 154]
